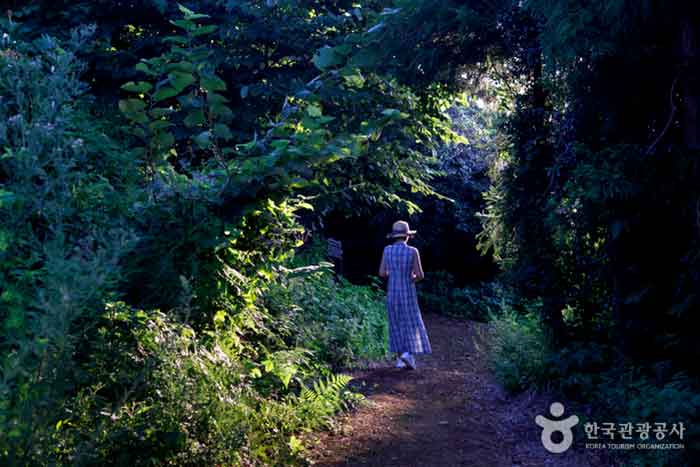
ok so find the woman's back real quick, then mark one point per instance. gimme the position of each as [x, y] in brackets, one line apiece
[401, 264]
[399, 259]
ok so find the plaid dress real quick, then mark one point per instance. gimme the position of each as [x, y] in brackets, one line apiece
[406, 330]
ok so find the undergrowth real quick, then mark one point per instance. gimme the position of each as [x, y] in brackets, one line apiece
[593, 375]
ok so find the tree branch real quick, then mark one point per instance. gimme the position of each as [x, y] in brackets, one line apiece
[651, 148]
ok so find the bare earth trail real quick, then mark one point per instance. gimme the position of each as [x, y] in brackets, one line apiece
[448, 412]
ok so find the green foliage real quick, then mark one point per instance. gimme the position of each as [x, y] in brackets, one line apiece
[157, 395]
[66, 187]
[592, 373]
[438, 293]
[325, 398]
[185, 95]
[162, 393]
[257, 60]
[519, 350]
[201, 235]
[234, 115]
[646, 398]
[344, 324]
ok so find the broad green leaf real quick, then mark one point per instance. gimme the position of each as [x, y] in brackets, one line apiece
[138, 117]
[222, 131]
[364, 58]
[393, 113]
[203, 140]
[194, 118]
[325, 58]
[203, 30]
[189, 14]
[180, 80]
[139, 132]
[184, 24]
[213, 99]
[268, 364]
[144, 68]
[165, 92]
[181, 40]
[343, 49]
[213, 83]
[184, 10]
[139, 86]
[314, 110]
[279, 143]
[183, 66]
[131, 105]
[159, 125]
[310, 123]
[164, 139]
[325, 119]
[221, 112]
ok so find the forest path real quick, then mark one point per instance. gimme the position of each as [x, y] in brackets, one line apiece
[448, 412]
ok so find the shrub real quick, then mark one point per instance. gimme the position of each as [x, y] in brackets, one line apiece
[201, 376]
[437, 293]
[65, 185]
[594, 374]
[161, 393]
[341, 322]
[519, 352]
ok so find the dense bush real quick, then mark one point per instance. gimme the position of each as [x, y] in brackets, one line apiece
[438, 293]
[519, 350]
[135, 329]
[342, 323]
[65, 190]
[159, 393]
[593, 374]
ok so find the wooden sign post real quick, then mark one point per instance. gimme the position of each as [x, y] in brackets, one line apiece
[335, 253]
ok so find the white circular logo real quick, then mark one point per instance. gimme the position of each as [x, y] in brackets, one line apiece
[563, 426]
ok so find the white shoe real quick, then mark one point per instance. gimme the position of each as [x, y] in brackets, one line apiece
[409, 360]
[400, 363]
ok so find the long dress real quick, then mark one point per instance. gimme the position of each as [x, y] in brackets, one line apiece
[406, 329]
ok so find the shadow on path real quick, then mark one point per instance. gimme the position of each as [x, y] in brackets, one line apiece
[448, 412]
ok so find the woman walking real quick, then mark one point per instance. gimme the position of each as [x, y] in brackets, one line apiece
[401, 264]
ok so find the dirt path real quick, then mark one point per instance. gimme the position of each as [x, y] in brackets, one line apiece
[448, 412]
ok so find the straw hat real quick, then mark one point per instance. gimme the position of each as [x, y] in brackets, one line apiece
[400, 229]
